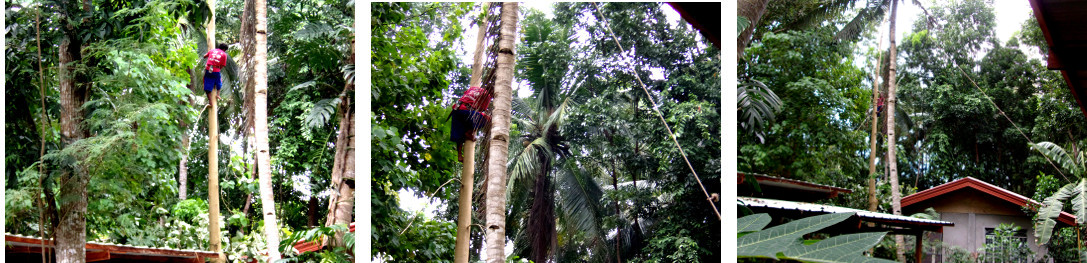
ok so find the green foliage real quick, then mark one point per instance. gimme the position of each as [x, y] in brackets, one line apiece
[336, 253]
[410, 74]
[1005, 246]
[784, 241]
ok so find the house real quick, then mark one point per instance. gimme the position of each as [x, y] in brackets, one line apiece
[977, 208]
[793, 201]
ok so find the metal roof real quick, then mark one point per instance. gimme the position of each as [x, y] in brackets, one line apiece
[984, 187]
[1062, 24]
[32, 243]
[810, 207]
[785, 188]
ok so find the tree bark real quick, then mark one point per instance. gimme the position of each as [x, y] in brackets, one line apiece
[499, 137]
[467, 174]
[873, 202]
[260, 123]
[342, 202]
[896, 195]
[71, 230]
[753, 11]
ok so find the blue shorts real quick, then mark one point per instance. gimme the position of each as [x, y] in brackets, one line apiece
[465, 123]
[212, 80]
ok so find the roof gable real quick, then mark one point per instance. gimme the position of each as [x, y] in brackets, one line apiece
[989, 189]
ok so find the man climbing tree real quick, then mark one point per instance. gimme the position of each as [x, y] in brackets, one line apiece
[469, 114]
[212, 78]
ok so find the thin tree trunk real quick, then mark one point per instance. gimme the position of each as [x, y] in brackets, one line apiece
[618, 213]
[896, 194]
[215, 239]
[41, 132]
[873, 202]
[753, 11]
[500, 132]
[467, 179]
[260, 122]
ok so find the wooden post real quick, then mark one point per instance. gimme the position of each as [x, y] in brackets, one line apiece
[464, 212]
[467, 174]
[918, 252]
[213, 178]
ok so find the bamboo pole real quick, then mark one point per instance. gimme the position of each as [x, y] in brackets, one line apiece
[467, 174]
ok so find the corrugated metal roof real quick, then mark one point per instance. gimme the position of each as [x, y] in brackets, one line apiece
[810, 207]
[116, 245]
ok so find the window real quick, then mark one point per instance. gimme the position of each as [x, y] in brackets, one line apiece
[1006, 245]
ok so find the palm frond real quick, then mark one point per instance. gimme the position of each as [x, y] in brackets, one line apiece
[873, 12]
[820, 14]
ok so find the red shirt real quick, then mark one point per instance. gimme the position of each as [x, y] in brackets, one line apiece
[476, 98]
[216, 60]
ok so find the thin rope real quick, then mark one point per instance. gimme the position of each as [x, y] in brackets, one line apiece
[1006, 117]
[666, 127]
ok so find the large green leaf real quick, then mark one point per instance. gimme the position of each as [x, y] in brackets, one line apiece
[1048, 214]
[768, 243]
[843, 248]
[1057, 154]
[753, 223]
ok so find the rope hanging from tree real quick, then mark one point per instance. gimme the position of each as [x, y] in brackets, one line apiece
[655, 109]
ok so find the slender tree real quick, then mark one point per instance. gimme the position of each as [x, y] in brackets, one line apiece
[215, 238]
[260, 122]
[892, 163]
[467, 174]
[873, 202]
[500, 130]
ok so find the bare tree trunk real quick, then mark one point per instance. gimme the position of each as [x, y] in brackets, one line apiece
[41, 132]
[342, 202]
[618, 213]
[873, 202]
[753, 11]
[71, 229]
[215, 238]
[500, 132]
[467, 174]
[896, 194]
[260, 122]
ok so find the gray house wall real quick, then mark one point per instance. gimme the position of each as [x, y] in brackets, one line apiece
[973, 211]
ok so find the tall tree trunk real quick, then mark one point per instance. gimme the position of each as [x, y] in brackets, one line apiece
[467, 173]
[260, 123]
[71, 229]
[500, 133]
[182, 165]
[753, 11]
[215, 238]
[618, 213]
[892, 163]
[342, 201]
[41, 133]
[873, 202]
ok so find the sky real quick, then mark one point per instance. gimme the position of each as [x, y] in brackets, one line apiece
[1010, 15]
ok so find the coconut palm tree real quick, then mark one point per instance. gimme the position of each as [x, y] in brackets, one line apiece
[499, 136]
[260, 122]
